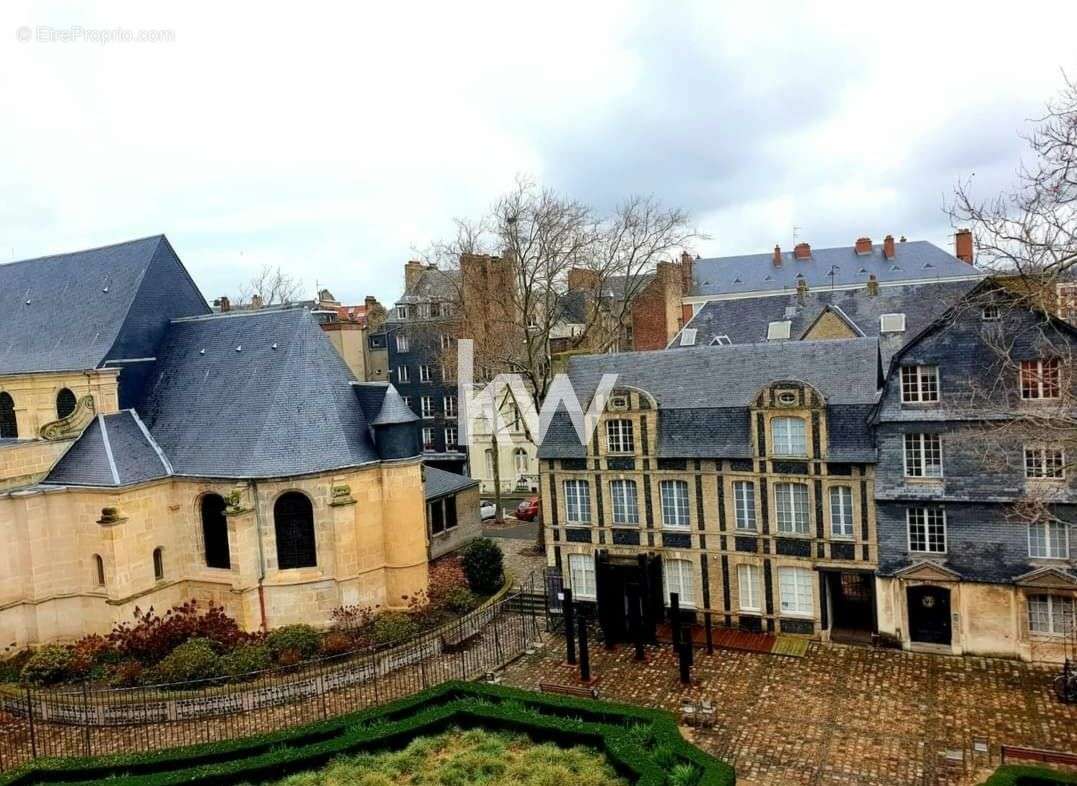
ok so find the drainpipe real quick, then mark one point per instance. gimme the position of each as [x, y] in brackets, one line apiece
[261, 555]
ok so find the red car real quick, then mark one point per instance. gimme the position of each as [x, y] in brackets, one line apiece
[528, 509]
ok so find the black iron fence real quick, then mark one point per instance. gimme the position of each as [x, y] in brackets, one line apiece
[92, 721]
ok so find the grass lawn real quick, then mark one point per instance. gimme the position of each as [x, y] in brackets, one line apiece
[467, 758]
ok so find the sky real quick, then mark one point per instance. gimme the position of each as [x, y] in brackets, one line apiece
[336, 140]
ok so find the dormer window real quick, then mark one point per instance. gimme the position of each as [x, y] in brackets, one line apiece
[688, 337]
[892, 323]
[401, 312]
[919, 384]
[789, 436]
[778, 331]
[991, 313]
[619, 436]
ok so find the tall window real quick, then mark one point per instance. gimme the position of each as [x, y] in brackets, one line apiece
[927, 530]
[1040, 378]
[435, 514]
[426, 405]
[791, 501]
[789, 436]
[619, 437]
[450, 438]
[401, 312]
[428, 438]
[426, 373]
[923, 455]
[446, 341]
[795, 589]
[158, 564]
[577, 502]
[215, 532]
[744, 504]
[293, 522]
[519, 457]
[841, 512]
[748, 581]
[401, 342]
[450, 406]
[1048, 540]
[679, 578]
[919, 384]
[1051, 614]
[9, 428]
[1047, 462]
[402, 374]
[674, 503]
[581, 572]
[489, 463]
[98, 570]
[450, 512]
[625, 505]
[65, 403]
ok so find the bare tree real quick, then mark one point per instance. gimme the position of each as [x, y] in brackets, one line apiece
[272, 285]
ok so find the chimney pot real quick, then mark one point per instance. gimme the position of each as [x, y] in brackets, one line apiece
[963, 245]
[863, 245]
[888, 247]
[256, 301]
[224, 304]
[777, 258]
[802, 251]
[873, 285]
[802, 291]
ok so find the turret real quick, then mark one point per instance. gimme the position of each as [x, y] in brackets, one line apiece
[395, 433]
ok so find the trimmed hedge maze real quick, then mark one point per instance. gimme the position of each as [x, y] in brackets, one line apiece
[643, 745]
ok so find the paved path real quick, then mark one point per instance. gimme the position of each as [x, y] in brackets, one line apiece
[520, 560]
[512, 529]
[840, 715]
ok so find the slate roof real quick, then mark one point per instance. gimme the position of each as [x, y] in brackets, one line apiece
[439, 483]
[114, 450]
[393, 410]
[254, 394]
[703, 394]
[71, 312]
[915, 260]
[745, 320]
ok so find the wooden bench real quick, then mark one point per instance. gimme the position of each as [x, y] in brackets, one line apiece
[569, 690]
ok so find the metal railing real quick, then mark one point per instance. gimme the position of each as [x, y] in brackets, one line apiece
[92, 721]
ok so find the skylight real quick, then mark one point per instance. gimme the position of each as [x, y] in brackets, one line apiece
[777, 331]
[892, 323]
[688, 337]
[722, 340]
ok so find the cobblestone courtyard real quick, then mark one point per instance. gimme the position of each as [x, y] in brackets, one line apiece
[840, 715]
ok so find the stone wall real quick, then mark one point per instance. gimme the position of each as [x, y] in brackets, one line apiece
[468, 527]
[25, 463]
[35, 395]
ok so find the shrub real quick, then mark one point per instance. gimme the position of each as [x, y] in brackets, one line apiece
[244, 659]
[49, 665]
[126, 674]
[336, 642]
[446, 578]
[11, 668]
[460, 600]
[303, 639]
[290, 657]
[393, 626]
[193, 660]
[484, 566]
[151, 637]
[88, 653]
[352, 619]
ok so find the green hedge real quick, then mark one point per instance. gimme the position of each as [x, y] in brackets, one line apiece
[643, 745]
[1025, 775]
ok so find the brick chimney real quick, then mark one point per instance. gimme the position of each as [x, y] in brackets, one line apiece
[687, 272]
[802, 251]
[581, 278]
[963, 245]
[223, 303]
[777, 258]
[802, 291]
[888, 247]
[412, 271]
[863, 245]
[256, 301]
[873, 285]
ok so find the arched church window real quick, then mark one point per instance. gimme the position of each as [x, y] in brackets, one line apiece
[65, 403]
[98, 570]
[215, 532]
[293, 521]
[158, 564]
[9, 429]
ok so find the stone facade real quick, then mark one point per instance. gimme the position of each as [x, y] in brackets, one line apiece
[459, 522]
[35, 396]
[50, 538]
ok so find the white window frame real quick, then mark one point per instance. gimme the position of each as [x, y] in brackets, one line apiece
[779, 330]
[401, 312]
[919, 384]
[1052, 548]
[678, 575]
[402, 374]
[424, 311]
[581, 574]
[923, 448]
[1038, 468]
[624, 502]
[428, 438]
[520, 460]
[887, 323]
[577, 501]
[1036, 367]
[842, 522]
[789, 442]
[991, 312]
[721, 341]
[929, 537]
[620, 436]
[446, 341]
[688, 337]
[744, 518]
[426, 373]
[426, 407]
[749, 579]
[451, 443]
[675, 508]
[1056, 617]
[401, 342]
[449, 402]
[787, 508]
[796, 592]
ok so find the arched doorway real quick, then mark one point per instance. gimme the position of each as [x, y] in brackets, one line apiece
[293, 520]
[215, 532]
[929, 614]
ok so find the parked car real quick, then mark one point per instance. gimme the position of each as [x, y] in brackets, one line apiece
[488, 510]
[528, 509]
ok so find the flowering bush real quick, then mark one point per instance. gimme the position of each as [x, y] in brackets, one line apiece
[151, 637]
[301, 639]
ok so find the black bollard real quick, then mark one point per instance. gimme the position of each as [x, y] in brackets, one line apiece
[685, 660]
[585, 655]
[710, 633]
[635, 620]
[675, 619]
[570, 627]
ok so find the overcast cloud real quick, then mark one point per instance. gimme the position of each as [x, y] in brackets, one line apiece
[334, 140]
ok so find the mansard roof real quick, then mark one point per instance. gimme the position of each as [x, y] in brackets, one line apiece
[77, 311]
[914, 262]
[703, 394]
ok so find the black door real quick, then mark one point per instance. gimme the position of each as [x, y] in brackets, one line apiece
[929, 614]
[853, 597]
